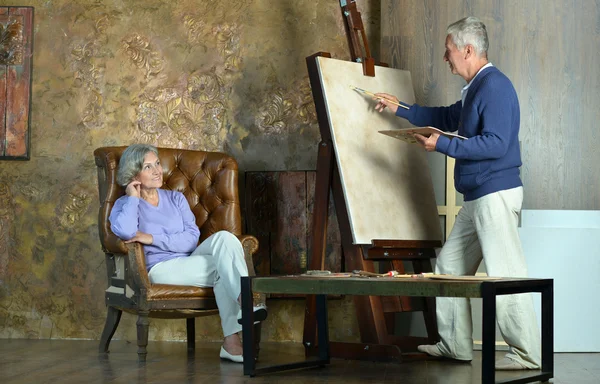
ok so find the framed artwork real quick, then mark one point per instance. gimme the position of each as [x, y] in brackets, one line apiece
[16, 52]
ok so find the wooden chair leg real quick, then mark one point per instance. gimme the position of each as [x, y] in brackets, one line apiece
[143, 324]
[113, 316]
[191, 334]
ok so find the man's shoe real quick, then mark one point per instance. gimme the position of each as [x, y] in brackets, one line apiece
[260, 314]
[431, 350]
[228, 356]
[508, 364]
[434, 350]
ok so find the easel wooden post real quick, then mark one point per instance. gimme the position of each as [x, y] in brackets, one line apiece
[374, 313]
[354, 28]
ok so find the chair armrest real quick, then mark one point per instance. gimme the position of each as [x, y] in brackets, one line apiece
[113, 244]
[250, 245]
[135, 274]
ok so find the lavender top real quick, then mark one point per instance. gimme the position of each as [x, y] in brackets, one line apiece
[171, 224]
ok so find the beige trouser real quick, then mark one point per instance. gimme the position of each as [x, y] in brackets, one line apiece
[486, 228]
[218, 262]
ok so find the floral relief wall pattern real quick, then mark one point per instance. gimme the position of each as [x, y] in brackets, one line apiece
[200, 74]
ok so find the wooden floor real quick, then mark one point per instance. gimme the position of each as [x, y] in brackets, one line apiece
[77, 361]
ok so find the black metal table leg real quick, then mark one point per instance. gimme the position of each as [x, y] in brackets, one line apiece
[322, 328]
[250, 367]
[248, 327]
[489, 293]
[488, 369]
[548, 329]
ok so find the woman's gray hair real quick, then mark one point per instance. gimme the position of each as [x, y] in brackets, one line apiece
[470, 30]
[132, 161]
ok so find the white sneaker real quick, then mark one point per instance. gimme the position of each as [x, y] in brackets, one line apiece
[508, 364]
[228, 356]
[260, 314]
[434, 350]
[431, 350]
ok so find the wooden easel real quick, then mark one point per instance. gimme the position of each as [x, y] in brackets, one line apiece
[375, 314]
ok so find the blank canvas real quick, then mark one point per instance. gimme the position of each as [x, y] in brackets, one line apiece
[386, 182]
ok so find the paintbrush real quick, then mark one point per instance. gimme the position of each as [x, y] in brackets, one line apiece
[379, 97]
[366, 273]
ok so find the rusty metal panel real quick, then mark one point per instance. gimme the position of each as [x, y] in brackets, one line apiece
[16, 50]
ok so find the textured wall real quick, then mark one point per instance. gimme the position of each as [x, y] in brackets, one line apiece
[204, 74]
[549, 49]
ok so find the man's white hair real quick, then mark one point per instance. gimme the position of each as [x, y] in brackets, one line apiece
[470, 30]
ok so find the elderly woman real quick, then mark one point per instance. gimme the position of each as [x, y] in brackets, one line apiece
[162, 221]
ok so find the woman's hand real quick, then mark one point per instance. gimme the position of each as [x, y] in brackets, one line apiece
[383, 100]
[133, 189]
[141, 237]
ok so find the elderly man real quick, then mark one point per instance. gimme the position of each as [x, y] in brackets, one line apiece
[487, 174]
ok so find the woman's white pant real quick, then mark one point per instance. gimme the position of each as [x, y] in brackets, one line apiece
[486, 228]
[217, 262]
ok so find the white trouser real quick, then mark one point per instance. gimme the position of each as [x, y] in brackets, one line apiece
[218, 262]
[486, 228]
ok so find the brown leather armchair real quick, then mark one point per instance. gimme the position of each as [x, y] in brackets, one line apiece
[209, 181]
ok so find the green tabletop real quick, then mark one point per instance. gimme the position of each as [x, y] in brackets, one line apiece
[376, 286]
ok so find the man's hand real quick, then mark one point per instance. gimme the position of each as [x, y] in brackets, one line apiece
[141, 237]
[133, 189]
[383, 102]
[427, 142]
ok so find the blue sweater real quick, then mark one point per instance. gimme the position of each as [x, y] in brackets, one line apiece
[489, 160]
[172, 225]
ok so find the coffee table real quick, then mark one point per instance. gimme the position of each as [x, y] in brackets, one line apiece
[486, 289]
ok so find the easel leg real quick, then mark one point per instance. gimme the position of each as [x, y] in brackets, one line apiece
[369, 309]
[319, 232]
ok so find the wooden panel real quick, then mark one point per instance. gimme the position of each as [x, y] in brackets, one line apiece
[279, 209]
[549, 51]
[288, 247]
[15, 81]
[260, 218]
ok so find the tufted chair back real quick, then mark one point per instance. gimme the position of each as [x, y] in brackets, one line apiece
[209, 181]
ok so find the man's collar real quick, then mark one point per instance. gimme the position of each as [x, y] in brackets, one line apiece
[489, 64]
